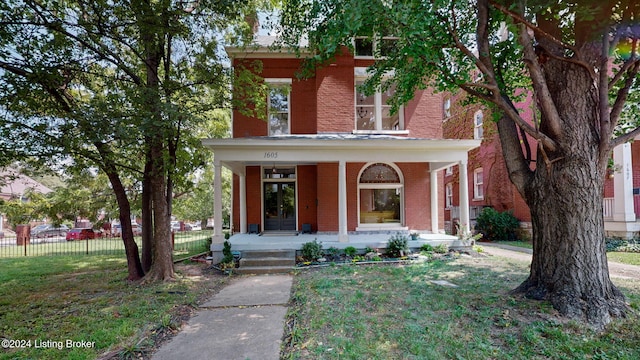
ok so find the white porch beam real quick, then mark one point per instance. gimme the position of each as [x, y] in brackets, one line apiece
[464, 196]
[342, 202]
[434, 201]
[623, 185]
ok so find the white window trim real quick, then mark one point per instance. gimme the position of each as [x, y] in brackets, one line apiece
[374, 41]
[399, 186]
[279, 82]
[478, 129]
[448, 171]
[361, 74]
[448, 195]
[477, 185]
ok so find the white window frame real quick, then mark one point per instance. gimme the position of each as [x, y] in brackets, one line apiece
[361, 74]
[478, 184]
[374, 46]
[399, 187]
[273, 83]
[446, 107]
[448, 195]
[448, 171]
[478, 123]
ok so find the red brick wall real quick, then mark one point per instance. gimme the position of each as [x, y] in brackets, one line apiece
[417, 198]
[335, 94]
[327, 196]
[254, 195]
[423, 115]
[307, 197]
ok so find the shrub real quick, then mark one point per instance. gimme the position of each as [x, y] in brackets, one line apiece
[497, 226]
[333, 252]
[369, 250]
[441, 248]
[350, 251]
[312, 251]
[426, 248]
[227, 256]
[396, 245]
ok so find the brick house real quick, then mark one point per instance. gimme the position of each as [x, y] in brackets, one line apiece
[330, 160]
[488, 179]
[489, 182]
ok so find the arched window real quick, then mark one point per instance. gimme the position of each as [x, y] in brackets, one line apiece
[478, 122]
[380, 191]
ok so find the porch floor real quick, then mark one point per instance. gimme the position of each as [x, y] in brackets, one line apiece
[281, 241]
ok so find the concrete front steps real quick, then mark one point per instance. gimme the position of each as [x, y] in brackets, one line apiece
[266, 261]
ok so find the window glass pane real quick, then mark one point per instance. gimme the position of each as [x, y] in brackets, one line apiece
[390, 122]
[379, 206]
[279, 110]
[279, 173]
[386, 47]
[365, 110]
[379, 174]
[363, 47]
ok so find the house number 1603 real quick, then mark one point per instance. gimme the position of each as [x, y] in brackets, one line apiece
[271, 155]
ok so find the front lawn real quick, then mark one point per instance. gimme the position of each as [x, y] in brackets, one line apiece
[399, 312]
[629, 258]
[46, 301]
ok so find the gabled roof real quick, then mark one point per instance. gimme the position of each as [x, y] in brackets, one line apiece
[13, 183]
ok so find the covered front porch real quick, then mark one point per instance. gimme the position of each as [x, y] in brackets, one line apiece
[621, 211]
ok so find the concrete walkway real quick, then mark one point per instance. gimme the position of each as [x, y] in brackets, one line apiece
[245, 320]
[616, 270]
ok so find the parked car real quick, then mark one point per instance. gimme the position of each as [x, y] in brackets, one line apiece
[82, 234]
[116, 230]
[195, 226]
[48, 230]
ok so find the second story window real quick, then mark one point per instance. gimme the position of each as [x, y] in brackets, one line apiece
[279, 107]
[372, 112]
[478, 120]
[369, 48]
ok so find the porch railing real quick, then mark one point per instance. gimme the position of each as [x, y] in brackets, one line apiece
[608, 208]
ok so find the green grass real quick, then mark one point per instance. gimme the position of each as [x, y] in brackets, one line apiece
[522, 244]
[624, 257]
[185, 243]
[85, 299]
[396, 312]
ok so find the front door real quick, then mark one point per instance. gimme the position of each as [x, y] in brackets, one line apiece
[279, 206]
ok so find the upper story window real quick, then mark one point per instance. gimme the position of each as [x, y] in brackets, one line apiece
[446, 107]
[374, 48]
[478, 120]
[279, 119]
[372, 112]
[448, 195]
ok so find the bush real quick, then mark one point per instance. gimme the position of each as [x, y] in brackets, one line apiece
[312, 251]
[396, 245]
[226, 253]
[441, 249]
[497, 226]
[426, 248]
[350, 251]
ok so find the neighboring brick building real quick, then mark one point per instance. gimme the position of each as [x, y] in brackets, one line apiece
[330, 159]
[488, 180]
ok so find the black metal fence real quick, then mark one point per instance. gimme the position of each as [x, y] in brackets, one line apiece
[185, 243]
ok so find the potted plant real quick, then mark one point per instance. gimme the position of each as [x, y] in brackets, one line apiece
[415, 235]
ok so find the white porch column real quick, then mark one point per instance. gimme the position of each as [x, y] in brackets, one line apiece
[434, 201]
[464, 196]
[342, 202]
[243, 203]
[217, 239]
[623, 185]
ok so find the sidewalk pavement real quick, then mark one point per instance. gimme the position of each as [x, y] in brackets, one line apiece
[245, 320]
[616, 269]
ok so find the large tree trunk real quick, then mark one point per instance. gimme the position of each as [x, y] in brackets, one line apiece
[147, 218]
[569, 266]
[130, 247]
